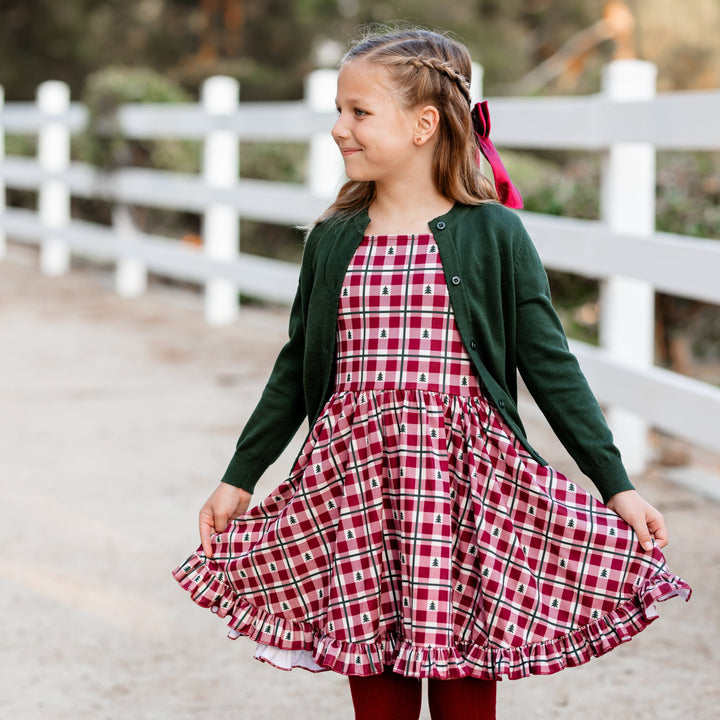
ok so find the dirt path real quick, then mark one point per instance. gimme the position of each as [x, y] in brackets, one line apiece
[117, 419]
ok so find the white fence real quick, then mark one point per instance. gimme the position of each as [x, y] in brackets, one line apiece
[626, 122]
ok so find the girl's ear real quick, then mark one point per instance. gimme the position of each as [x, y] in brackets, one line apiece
[426, 124]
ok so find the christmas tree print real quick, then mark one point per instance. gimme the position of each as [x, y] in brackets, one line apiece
[433, 605]
[385, 290]
[428, 290]
[380, 377]
[358, 576]
[391, 250]
[426, 334]
[345, 292]
[365, 618]
[402, 428]
[433, 249]
[349, 534]
[571, 523]
[374, 483]
[349, 334]
[486, 572]
[433, 434]
[604, 573]
[331, 505]
[563, 563]
[464, 381]
[435, 562]
[555, 603]
[438, 519]
[612, 532]
[285, 606]
[459, 587]
[383, 333]
[423, 378]
[307, 556]
[348, 377]
[273, 566]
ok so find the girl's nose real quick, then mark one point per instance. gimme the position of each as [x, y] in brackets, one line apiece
[339, 131]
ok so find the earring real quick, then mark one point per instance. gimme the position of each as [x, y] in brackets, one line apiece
[418, 139]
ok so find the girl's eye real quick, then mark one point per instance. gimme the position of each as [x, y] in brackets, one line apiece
[359, 113]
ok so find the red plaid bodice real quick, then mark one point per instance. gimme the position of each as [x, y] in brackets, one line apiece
[396, 329]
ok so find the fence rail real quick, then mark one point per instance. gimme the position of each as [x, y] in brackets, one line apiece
[626, 123]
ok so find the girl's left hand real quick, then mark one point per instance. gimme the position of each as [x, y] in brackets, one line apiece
[645, 520]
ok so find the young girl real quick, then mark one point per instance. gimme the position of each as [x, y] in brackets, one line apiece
[419, 534]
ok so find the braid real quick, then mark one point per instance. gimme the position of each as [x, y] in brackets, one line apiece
[443, 67]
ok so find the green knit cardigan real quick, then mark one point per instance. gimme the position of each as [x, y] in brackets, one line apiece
[501, 301]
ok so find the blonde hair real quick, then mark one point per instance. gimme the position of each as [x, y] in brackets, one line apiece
[426, 68]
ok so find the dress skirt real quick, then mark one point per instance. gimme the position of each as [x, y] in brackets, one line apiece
[414, 531]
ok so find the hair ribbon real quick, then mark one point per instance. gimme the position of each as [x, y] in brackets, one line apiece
[507, 192]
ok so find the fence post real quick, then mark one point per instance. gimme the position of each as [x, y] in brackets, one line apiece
[221, 225]
[325, 165]
[476, 82]
[53, 99]
[3, 240]
[627, 317]
[131, 275]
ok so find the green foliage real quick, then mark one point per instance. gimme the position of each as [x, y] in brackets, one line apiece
[688, 193]
[284, 162]
[103, 144]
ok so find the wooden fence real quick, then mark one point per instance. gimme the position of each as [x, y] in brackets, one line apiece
[627, 123]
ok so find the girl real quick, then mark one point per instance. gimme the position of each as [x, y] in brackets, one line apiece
[419, 534]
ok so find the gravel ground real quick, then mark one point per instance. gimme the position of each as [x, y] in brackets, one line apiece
[118, 417]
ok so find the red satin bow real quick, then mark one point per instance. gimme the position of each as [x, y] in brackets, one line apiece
[507, 192]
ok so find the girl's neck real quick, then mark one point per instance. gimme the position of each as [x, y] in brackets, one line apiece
[405, 211]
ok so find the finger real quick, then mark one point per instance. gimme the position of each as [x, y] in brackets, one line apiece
[222, 520]
[659, 531]
[206, 530]
[641, 530]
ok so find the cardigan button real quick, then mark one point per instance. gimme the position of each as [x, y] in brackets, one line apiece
[440, 225]
[455, 280]
[501, 403]
[473, 345]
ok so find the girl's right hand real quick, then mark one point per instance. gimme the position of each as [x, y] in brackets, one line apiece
[225, 504]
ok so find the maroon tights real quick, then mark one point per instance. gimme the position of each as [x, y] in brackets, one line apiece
[391, 696]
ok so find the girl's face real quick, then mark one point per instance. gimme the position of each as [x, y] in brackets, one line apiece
[374, 133]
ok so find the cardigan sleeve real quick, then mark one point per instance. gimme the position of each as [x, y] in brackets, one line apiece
[281, 408]
[555, 380]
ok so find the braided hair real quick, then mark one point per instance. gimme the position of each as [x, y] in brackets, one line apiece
[426, 68]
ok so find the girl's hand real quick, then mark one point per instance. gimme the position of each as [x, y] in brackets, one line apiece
[645, 520]
[225, 504]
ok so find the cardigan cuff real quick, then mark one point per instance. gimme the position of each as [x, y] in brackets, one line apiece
[611, 478]
[243, 472]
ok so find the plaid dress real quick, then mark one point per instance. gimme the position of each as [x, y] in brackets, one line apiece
[414, 530]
